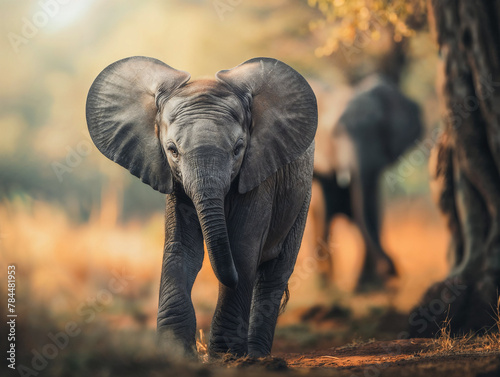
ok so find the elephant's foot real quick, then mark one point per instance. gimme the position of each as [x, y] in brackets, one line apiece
[376, 275]
[459, 305]
[222, 353]
[370, 283]
[385, 268]
[264, 362]
[173, 346]
[227, 343]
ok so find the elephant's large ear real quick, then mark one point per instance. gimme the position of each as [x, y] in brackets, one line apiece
[121, 112]
[284, 116]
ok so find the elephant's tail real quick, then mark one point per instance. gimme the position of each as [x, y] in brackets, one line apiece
[284, 300]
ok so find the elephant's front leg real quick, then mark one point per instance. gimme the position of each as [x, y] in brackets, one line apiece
[229, 332]
[247, 223]
[182, 260]
[272, 281]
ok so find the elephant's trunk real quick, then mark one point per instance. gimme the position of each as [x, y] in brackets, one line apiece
[210, 211]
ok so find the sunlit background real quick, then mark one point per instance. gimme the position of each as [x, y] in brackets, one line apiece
[71, 220]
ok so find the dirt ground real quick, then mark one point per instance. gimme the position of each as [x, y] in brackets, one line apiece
[411, 357]
[408, 357]
[64, 268]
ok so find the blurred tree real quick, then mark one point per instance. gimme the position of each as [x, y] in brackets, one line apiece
[359, 29]
[468, 167]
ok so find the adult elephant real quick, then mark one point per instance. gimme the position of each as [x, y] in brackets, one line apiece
[377, 124]
[235, 157]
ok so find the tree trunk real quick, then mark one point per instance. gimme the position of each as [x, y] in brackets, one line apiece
[468, 166]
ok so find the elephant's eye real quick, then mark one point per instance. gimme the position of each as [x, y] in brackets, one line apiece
[173, 150]
[238, 147]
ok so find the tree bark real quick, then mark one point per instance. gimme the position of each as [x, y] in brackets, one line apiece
[468, 166]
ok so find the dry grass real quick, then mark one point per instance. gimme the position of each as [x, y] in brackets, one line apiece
[446, 344]
[357, 342]
[493, 337]
[202, 346]
[497, 314]
[445, 341]
[465, 344]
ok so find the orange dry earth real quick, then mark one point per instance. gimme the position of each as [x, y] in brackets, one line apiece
[378, 358]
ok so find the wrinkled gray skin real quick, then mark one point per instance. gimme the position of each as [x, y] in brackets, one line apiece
[235, 157]
[377, 126]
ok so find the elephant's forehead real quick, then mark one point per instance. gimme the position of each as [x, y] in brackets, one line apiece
[203, 86]
[203, 99]
[207, 91]
[222, 133]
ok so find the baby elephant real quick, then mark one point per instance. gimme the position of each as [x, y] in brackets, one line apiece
[235, 157]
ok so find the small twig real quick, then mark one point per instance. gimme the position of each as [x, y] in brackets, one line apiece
[321, 357]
